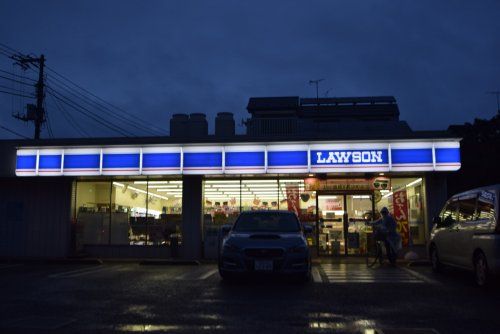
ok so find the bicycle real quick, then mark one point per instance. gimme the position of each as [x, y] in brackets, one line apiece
[375, 252]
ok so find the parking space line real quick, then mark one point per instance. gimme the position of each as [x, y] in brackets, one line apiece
[316, 276]
[207, 274]
[82, 272]
[421, 277]
[362, 274]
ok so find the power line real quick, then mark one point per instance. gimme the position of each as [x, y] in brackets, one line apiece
[13, 132]
[5, 46]
[15, 94]
[87, 112]
[69, 118]
[17, 75]
[14, 89]
[134, 117]
[14, 80]
[95, 104]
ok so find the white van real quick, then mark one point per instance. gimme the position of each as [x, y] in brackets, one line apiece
[466, 234]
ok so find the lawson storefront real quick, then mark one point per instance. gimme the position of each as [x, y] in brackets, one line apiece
[160, 200]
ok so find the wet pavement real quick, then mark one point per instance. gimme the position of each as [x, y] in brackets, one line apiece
[342, 297]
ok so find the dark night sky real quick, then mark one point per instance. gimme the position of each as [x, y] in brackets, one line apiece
[156, 58]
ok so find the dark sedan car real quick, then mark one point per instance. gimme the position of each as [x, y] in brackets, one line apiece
[265, 242]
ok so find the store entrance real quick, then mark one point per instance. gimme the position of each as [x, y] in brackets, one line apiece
[341, 223]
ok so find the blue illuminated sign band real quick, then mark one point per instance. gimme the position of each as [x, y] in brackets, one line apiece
[81, 161]
[202, 160]
[50, 162]
[113, 161]
[447, 155]
[287, 158]
[234, 159]
[412, 156]
[26, 162]
[245, 159]
[161, 160]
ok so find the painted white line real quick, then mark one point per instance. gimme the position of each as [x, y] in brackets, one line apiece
[81, 272]
[73, 271]
[421, 277]
[89, 272]
[316, 276]
[208, 274]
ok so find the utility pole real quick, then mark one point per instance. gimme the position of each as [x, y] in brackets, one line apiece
[497, 93]
[34, 113]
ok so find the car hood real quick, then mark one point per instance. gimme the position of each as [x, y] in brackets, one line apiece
[265, 239]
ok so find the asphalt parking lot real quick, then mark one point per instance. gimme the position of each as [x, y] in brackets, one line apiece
[126, 297]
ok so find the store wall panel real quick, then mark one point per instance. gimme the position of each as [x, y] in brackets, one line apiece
[36, 218]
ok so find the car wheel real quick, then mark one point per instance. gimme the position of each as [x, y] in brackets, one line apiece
[481, 271]
[435, 262]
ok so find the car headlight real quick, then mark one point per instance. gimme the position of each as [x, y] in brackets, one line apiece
[230, 248]
[298, 249]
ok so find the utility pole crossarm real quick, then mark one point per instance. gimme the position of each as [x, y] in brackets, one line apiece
[35, 113]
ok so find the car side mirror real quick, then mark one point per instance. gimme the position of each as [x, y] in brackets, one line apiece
[226, 229]
[437, 221]
[308, 229]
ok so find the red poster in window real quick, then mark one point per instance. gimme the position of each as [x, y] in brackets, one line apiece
[400, 205]
[293, 198]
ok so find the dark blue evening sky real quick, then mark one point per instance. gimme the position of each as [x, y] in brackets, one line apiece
[157, 58]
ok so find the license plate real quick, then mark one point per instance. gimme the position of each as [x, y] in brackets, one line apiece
[264, 265]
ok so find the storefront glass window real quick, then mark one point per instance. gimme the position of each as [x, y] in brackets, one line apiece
[128, 212]
[404, 197]
[222, 201]
[93, 213]
[260, 194]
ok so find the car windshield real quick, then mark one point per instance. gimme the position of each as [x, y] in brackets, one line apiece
[267, 222]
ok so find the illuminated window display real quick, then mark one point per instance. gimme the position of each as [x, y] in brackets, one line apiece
[405, 200]
[128, 212]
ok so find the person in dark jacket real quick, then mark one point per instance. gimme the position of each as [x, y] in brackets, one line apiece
[386, 226]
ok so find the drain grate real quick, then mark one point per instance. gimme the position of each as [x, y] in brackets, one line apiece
[38, 322]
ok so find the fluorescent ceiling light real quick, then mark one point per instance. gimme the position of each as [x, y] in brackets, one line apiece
[387, 195]
[139, 190]
[225, 186]
[222, 181]
[259, 181]
[261, 185]
[165, 186]
[414, 182]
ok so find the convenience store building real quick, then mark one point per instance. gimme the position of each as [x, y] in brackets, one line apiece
[335, 162]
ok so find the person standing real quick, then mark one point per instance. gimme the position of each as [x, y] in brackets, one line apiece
[387, 226]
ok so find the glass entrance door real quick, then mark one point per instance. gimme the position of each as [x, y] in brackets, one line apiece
[341, 223]
[359, 211]
[331, 236]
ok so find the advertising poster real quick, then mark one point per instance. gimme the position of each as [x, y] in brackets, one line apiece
[400, 206]
[293, 198]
